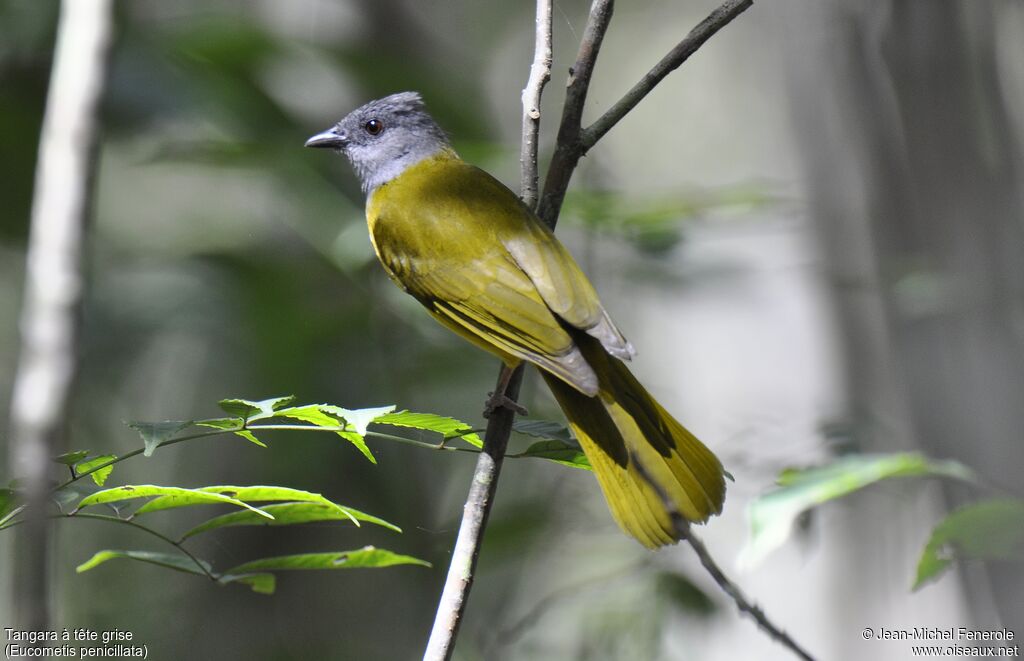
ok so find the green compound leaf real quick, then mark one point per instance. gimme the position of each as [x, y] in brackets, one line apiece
[98, 476]
[560, 452]
[71, 458]
[169, 560]
[311, 413]
[232, 425]
[182, 497]
[357, 420]
[155, 433]
[247, 409]
[772, 515]
[251, 494]
[286, 514]
[328, 415]
[989, 530]
[449, 428]
[260, 583]
[366, 557]
[545, 429]
[360, 419]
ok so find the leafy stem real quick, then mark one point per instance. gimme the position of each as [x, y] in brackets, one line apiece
[116, 519]
[128, 522]
[269, 427]
[128, 455]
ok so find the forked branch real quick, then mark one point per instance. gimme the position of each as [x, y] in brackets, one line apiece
[569, 148]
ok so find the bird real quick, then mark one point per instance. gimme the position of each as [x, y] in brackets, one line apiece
[486, 267]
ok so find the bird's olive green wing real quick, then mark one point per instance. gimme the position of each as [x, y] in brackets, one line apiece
[468, 249]
[495, 304]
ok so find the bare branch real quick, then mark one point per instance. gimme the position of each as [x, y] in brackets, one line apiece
[540, 74]
[684, 531]
[471, 530]
[568, 148]
[715, 21]
[53, 282]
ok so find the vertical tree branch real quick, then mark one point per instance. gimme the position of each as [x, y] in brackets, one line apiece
[540, 74]
[454, 596]
[568, 148]
[54, 283]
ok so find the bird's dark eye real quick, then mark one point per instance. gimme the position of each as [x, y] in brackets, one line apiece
[374, 126]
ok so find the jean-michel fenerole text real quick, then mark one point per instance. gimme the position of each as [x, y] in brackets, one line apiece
[948, 633]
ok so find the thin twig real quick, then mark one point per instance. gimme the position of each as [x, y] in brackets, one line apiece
[137, 452]
[318, 428]
[54, 282]
[452, 604]
[704, 30]
[128, 522]
[684, 532]
[567, 147]
[540, 74]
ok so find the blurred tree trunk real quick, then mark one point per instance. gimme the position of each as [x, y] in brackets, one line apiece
[53, 286]
[914, 180]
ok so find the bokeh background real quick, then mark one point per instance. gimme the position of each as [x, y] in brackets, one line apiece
[813, 233]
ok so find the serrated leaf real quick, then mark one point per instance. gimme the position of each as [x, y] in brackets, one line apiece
[98, 476]
[311, 413]
[220, 423]
[286, 514]
[366, 557]
[232, 425]
[360, 443]
[250, 494]
[772, 515]
[260, 583]
[546, 429]
[248, 409]
[991, 529]
[171, 561]
[249, 436]
[71, 458]
[319, 415]
[559, 452]
[185, 496]
[360, 419]
[356, 420]
[155, 433]
[449, 428]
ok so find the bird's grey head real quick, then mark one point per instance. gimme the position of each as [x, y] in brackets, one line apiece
[384, 137]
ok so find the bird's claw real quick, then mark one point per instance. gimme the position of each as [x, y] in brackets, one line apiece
[501, 401]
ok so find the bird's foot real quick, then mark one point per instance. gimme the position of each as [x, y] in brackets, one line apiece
[497, 401]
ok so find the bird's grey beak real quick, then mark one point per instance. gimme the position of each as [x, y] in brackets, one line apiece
[329, 139]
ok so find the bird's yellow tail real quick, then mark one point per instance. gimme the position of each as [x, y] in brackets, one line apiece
[624, 425]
